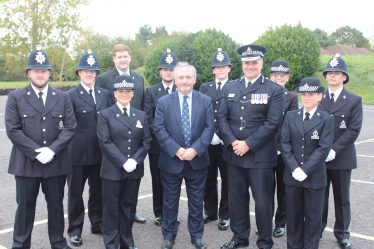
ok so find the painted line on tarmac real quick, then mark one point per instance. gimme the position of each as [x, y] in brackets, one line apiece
[365, 141]
[2, 247]
[2, 130]
[362, 182]
[365, 156]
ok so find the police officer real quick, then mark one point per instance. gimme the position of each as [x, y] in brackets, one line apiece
[307, 136]
[167, 63]
[249, 117]
[279, 72]
[221, 68]
[346, 108]
[124, 140]
[40, 123]
[87, 101]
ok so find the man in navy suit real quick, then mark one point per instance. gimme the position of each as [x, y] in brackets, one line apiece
[279, 72]
[87, 101]
[346, 108]
[152, 94]
[221, 67]
[121, 54]
[184, 128]
[40, 123]
[307, 136]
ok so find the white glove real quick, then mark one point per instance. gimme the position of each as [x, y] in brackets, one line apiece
[299, 174]
[215, 140]
[331, 155]
[45, 155]
[130, 165]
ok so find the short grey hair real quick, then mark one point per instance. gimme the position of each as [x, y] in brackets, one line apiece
[184, 65]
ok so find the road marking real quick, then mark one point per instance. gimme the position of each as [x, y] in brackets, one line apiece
[2, 130]
[365, 141]
[362, 182]
[1, 247]
[365, 156]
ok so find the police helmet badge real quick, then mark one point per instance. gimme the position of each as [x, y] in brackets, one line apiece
[91, 59]
[39, 57]
[220, 57]
[334, 62]
[169, 59]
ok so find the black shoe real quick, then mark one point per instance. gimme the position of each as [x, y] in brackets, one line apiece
[209, 218]
[344, 243]
[223, 224]
[96, 231]
[130, 247]
[158, 221]
[232, 245]
[199, 243]
[278, 232]
[76, 240]
[168, 244]
[139, 219]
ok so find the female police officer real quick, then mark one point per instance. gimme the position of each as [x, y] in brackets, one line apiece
[124, 140]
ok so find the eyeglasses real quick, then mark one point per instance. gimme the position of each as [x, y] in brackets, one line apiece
[276, 75]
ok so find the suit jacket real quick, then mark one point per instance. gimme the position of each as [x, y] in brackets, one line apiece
[121, 138]
[347, 112]
[29, 127]
[259, 120]
[210, 89]
[84, 148]
[106, 81]
[291, 102]
[152, 94]
[306, 149]
[167, 126]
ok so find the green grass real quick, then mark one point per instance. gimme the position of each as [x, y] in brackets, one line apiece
[20, 84]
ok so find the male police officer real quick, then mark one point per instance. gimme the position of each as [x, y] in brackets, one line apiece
[221, 68]
[249, 118]
[152, 94]
[279, 72]
[346, 108]
[40, 123]
[87, 101]
[121, 54]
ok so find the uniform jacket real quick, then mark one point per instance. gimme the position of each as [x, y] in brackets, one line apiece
[106, 81]
[306, 149]
[121, 138]
[84, 148]
[167, 126]
[259, 121]
[347, 112]
[151, 97]
[30, 128]
[291, 102]
[210, 89]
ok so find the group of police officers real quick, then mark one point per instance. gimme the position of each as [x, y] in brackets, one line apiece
[261, 140]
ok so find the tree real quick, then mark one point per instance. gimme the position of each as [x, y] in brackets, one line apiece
[350, 36]
[206, 44]
[27, 23]
[295, 44]
[145, 35]
[324, 40]
[160, 31]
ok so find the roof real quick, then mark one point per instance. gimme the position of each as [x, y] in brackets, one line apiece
[346, 49]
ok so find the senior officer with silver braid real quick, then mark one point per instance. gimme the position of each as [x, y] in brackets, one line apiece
[40, 123]
[124, 140]
[221, 67]
[249, 118]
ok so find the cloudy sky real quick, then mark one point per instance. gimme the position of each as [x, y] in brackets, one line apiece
[243, 20]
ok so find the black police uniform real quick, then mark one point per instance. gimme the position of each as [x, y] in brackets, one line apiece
[220, 58]
[347, 112]
[30, 125]
[151, 97]
[85, 153]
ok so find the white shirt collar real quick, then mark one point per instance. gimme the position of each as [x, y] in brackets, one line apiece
[120, 72]
[336, 93]
[88, 89]
[311, 112]
[252, 81]
[121, 108]
[171, 86]
[45, 91]
[223, 82]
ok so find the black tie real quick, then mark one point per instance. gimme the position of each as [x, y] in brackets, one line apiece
[92, 96]
[41, 100]
[306, 119]
[249, 84]
[167, 89]
[332, 100]
[125, 112]
[219, 88]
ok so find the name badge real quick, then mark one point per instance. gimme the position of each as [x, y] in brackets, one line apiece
[343, 125]
[315, 135]
[231, 95]
[259, 98]
[138, 124]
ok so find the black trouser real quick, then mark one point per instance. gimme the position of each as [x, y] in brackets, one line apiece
[280, 214]
[156, 184]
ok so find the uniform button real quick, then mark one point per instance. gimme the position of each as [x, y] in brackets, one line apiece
[242, 107]
[129, 140]
[44, 142]
[215, 120]
[43, 118]
[128, 155]
[24, 116]
[302, 147]
[302, 138]
[302, 163]
[244, 97]
[128, 148]
[342, 116]
[43, 130]
[241, 118]
[215, 111]
[60, 116]
[216, 102]
[98, 112]
[129, 132]
[84, 111]
[302, 154]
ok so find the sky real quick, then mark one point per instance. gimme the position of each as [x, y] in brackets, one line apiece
[243, 21]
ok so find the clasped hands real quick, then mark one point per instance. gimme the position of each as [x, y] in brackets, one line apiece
[45, 155]
[299, 174]
[186, 154]
[130, 165]
[240, 147]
